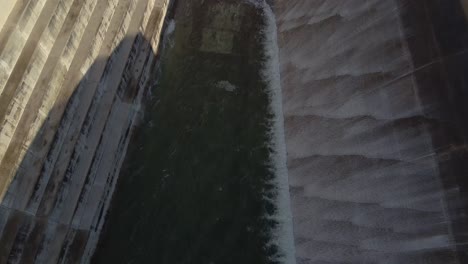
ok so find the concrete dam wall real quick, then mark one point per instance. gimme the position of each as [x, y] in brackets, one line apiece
[374, 98]
[72, 76]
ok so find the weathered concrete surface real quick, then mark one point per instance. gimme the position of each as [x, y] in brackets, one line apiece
[6, 9]
[72, 75]
[375, 117]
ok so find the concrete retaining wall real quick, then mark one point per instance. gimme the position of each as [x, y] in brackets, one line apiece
[72, 77]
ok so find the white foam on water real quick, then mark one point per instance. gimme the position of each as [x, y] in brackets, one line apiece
[227, 86]
[168, 35]
[283, 235]
[170, 27]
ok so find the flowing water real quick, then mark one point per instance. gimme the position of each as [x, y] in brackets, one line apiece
[200, 182]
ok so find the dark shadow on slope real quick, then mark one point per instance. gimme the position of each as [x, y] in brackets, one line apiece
[54, 206]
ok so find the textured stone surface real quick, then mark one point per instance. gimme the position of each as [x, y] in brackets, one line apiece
[370, 151]
[72, 75]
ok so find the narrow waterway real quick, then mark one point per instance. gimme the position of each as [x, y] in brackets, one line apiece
[198, 182]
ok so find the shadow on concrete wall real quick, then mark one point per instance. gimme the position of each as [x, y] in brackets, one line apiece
[438, 42]
[55, 200]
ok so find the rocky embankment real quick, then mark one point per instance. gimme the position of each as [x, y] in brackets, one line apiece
[72, 75]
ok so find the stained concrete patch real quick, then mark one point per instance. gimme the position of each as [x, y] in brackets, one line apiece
[227, 16]
[218, 35]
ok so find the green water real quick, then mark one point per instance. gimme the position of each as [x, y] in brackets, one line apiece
[193, 186]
